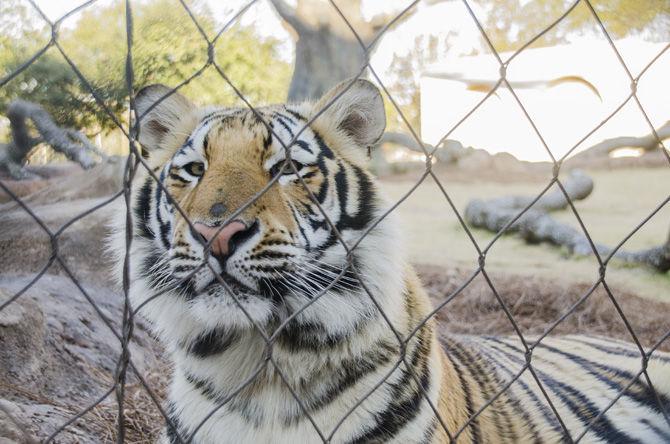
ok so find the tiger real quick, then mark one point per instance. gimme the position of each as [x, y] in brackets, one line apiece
[272, 269]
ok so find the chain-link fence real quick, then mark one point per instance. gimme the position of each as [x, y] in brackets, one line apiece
[136, 162]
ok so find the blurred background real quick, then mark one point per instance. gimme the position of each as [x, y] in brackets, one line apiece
[584, 94]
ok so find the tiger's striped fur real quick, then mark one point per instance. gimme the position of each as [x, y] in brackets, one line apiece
[363, 358]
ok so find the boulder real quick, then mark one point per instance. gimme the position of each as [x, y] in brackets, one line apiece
[57, 355]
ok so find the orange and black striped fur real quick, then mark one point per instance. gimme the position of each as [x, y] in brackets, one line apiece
[359, 352]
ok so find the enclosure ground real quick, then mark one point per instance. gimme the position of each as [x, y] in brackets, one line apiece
[620, 200]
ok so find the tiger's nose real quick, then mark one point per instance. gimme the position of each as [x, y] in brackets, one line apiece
[220, 238]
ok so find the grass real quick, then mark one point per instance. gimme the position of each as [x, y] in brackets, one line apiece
[621, 199]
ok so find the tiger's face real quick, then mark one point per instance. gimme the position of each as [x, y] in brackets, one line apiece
[235, 234]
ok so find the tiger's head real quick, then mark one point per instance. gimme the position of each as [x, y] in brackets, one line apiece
[230, 232]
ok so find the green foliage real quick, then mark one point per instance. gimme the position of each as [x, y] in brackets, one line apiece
[406, 70]
[511, 23]
[168, 48]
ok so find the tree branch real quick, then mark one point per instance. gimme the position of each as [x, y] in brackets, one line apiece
[604, 148]
[288, 15]
[379, 21]
[67, 141]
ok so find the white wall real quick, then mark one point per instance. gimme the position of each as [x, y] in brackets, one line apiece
[563, 114]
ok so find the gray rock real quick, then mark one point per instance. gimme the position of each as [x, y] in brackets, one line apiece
[57, 355]
[11, 429]
[25, 247]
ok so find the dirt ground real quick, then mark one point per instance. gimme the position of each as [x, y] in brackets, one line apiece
[621, 199]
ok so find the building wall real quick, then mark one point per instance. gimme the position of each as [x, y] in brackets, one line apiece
[563, 114]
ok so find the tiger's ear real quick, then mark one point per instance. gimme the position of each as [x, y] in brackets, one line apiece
[358, 112]
[156, 122]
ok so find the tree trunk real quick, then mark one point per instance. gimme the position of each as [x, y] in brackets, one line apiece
[322, 60]
[327, 51]
[68, 141]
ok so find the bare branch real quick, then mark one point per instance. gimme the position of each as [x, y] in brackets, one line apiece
[77, 136]
[604, 148]
[67, 141]
[288, 14]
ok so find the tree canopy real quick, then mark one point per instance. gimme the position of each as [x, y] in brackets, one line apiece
[167, 49]
[511, 23]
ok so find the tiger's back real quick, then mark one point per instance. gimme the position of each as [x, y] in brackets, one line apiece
[586, 388]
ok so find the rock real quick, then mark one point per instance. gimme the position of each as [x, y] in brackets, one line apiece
[11, 430]
[507, 163]
[21, 338]
[477, 160]
[57, 355]
[25, 247]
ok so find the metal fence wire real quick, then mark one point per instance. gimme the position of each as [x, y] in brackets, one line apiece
[135, 162]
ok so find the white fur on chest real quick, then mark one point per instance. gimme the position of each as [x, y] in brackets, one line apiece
[265, 419]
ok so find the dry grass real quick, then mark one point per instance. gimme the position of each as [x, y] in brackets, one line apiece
[143, 421]
[537, 304]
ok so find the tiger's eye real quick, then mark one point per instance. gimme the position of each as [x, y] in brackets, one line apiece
[288, 171]
[195, 168]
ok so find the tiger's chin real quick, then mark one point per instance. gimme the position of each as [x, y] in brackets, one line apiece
[225, 301]
[225, 284]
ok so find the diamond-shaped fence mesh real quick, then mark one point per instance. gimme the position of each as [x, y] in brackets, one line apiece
[135, 162]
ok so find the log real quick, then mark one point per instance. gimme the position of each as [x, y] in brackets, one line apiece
[72, 143]
[656, 257]
[536, 225]
[578, 186]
